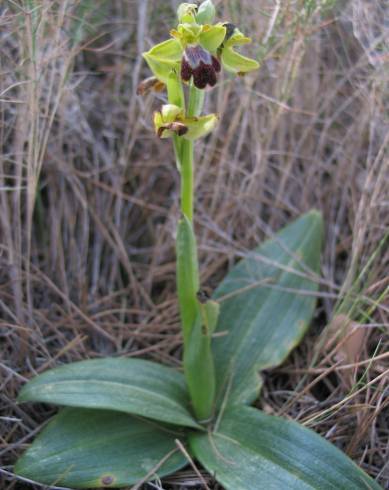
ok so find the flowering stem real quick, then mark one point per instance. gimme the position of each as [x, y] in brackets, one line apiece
[185, 152]
[187, 181]
[196, 101]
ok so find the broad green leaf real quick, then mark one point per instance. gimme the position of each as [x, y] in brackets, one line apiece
[127, 385]
[83, 448]
[188, 283]
[255, 451]
[267, 302]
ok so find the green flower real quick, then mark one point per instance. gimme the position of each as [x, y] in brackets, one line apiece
[171, 120]
[193, 46]
[197, 49]
[232, 60]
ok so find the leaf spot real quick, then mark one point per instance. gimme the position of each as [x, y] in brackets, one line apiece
[107, 480]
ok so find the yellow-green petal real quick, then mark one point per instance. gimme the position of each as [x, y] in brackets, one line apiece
[212, 37]
[237, 63]
[164, 57]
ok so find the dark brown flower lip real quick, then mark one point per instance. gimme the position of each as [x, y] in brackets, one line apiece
[200, 64]
[177, 127]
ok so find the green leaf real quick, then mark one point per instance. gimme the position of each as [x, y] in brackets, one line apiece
[82, 448]
[200, 370]
[255, 451]
[188, 283]
[269, 302]
[198, 361]
[127, 385]
[210, 312]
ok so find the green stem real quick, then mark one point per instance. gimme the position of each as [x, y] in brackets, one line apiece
[187, 179]
[185, 151]
[197, 359]
[196, 101]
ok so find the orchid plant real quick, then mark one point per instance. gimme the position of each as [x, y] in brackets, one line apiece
[127, 420]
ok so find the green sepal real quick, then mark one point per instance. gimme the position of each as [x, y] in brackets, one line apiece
[237, 63]
[84, 448]
[231, 59]
[163, 58]
[252, 450]
[211, 37]
[198, 127]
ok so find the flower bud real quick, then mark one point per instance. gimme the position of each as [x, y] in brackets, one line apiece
[186, 13]
[206, 13]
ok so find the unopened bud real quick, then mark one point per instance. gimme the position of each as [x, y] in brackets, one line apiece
[186, 13]
[206, 13]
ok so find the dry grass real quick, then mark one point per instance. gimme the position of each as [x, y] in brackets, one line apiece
[89, 201]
